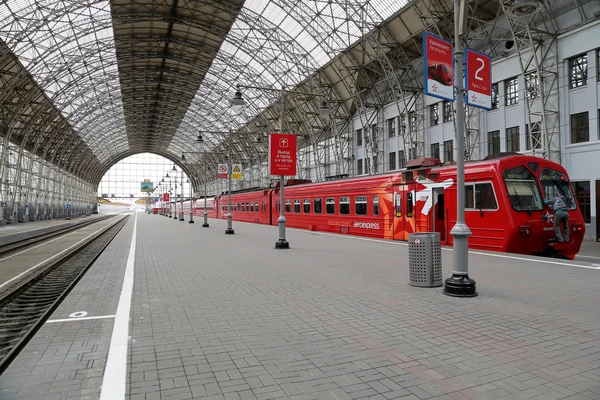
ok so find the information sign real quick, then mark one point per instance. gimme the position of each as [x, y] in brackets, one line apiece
[439, 67]
[282, 154]
[479, 79]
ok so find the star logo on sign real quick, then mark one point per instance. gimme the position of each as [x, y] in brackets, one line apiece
[473, 98]
[434, 88]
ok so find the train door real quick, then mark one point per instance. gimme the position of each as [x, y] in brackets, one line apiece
[438, 213]
[404, 219]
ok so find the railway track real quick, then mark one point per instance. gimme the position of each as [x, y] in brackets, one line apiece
[14, 245]
[27, 305]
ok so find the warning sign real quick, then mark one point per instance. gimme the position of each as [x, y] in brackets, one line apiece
[222, 171]
[237, 171]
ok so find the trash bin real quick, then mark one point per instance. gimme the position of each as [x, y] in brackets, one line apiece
[425, 259]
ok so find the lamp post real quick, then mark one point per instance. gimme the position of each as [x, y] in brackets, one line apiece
[460, 285]
[191, 203]
[229, 230]
[200, 140]
[181, 205]
[174, 200]
[323, 109]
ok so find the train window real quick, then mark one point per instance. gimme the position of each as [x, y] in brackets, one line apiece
[523, 191]
[533, 165]
[555, 184]
[409, 205]
[398, 204]
[480, 196]
[330, 205]
[306, 206]
[485, 199]
[360, 205]
[345, 205]
[264, 206]
[243, 206]
[317, 204]
[296, 206]
[252, 207]
[256, 206]
[288, 206]
[375, 205]
[469, 197]
[277, 206]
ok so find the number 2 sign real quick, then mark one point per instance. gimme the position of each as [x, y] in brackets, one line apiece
[479, 79]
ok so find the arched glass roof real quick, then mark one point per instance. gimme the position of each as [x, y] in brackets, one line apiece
[121, 77]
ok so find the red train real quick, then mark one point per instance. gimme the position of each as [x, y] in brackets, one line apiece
[504, 204]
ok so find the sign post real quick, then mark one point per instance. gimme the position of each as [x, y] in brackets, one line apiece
[439, 67]
[282, 162]
[479, 79]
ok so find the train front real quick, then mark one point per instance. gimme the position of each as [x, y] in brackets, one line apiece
[533, 221]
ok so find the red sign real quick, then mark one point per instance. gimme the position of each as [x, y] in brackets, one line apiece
[282, 154]
[166, 196]
[479, 79]
[439, 67]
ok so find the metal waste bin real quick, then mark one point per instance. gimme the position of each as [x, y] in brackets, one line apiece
[425, 259]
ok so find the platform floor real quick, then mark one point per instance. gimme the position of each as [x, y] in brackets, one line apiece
[229, 317]
[7, 231]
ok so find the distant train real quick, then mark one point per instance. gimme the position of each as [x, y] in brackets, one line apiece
[504, 206]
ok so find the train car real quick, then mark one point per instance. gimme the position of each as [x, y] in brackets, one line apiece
[504, 206]
[250, 205]
[210, 207]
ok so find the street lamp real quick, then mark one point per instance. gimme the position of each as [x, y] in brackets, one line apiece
[460, 285]
[191, 203]
[174, 200]
[200, 140]
[229, 230]
[181, 205]
[238, 100]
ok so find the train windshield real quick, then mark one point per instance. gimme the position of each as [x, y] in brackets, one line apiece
[523, 191]
[554, 184]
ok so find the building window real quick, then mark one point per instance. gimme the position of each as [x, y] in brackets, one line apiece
[533, 134]
[580, 128]
[391, 124]
[375, 205]
[345, 205]
[392, 160]
[375, 165]
[359, 137]
[435, 150]
[330, 205]
[493, 142]
[306, 206]
[401, 159]
[360, 205]
[511, 91]
[512, 139]
[434, 113]
[494, 96]
[448, 151]
[582, 194]
[412, 121]
[359, 167]
[532, 85]
[317, 206]
[578, 71]
[447, 111]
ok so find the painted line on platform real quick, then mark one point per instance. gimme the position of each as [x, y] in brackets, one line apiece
[79, 319]
[115, 374]
[448, 249]
[49, 259]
